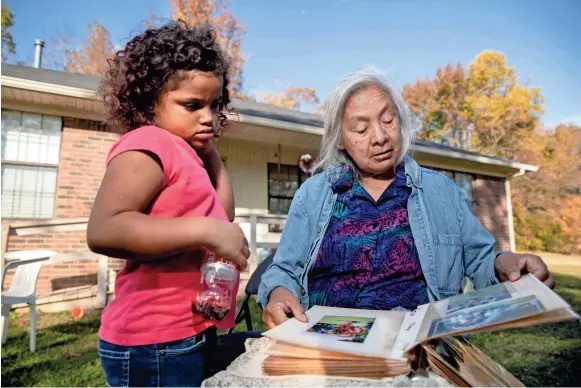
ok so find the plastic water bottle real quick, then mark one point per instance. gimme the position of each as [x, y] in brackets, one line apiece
[218, 278]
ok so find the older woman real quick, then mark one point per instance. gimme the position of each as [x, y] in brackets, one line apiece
[374, 230]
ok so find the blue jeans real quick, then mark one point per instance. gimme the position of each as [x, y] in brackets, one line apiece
[173, 364]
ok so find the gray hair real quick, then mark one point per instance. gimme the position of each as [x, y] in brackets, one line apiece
[330, 153]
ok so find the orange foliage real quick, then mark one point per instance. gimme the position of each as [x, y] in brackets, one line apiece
[438, 105]
[571, 222]
[543, 202]
[229, 29]
[293, 98]
[92, 58]
[482, 108]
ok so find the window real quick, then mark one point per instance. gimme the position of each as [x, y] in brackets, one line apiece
[282, 186]
[462, 180]
[30, 156]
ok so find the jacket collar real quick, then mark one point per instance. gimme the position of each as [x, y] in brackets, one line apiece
[412, 171]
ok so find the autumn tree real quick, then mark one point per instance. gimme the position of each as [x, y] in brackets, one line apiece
[8, 45]
[571, 223]
[439, 106]
[229, 29]
[482, 108]
[485, 108]
[92, 57]
[501, 110]
[293, 98]
[542, 200]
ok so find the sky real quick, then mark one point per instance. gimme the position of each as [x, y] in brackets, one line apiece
[314, 43]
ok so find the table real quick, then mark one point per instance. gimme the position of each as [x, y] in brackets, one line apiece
[246, 371]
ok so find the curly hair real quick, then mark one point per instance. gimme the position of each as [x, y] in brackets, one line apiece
[153, 62]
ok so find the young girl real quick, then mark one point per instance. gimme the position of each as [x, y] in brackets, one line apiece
[165, 203]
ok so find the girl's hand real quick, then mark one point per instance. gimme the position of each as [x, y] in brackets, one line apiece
[227, 240]
[281, 305]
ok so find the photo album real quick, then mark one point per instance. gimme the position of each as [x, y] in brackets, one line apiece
[384, 341]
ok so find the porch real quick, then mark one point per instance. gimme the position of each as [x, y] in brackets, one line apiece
[84, 279]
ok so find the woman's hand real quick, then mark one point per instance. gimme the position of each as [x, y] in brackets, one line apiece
[227, 240]
[282, 305]
[510, 266]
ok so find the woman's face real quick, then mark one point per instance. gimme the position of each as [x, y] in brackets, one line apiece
[370, 133]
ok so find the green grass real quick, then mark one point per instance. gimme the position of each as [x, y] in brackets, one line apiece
[66, 350]
[256, 314]
[66, 354]
[546, 355]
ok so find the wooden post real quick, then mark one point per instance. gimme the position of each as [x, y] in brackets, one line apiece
[102, 281]
[253, 244]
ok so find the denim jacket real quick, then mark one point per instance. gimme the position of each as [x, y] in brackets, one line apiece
[450, 240]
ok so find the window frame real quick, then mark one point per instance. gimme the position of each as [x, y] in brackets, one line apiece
[454, 179]
[52, 166]
[300, 179]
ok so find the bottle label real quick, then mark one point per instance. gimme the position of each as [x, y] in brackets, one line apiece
[212, 258]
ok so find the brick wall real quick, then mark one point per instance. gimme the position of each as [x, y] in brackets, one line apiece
[81, 168]
[84, 148]
[489, 206]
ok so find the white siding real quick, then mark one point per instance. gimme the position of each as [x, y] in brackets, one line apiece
[246, 163]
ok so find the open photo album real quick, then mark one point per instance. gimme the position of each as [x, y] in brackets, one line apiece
[387, 338]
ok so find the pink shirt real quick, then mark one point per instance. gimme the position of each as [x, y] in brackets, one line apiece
[153, 298]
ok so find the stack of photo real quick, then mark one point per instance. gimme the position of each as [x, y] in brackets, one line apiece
[288, 359]
[377, 344]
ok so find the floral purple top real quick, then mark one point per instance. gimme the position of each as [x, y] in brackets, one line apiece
[368, 258]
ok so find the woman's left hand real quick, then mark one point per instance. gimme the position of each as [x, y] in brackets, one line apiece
[511, 266]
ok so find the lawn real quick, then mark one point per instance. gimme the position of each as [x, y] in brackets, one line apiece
[66, 355]
[545, 355]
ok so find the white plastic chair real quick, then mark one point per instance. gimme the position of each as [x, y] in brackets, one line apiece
[23, 287]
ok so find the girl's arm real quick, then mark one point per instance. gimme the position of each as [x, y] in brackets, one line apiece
[219, 177]
[118, 228]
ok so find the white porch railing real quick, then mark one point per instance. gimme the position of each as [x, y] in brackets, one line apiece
[78, 224]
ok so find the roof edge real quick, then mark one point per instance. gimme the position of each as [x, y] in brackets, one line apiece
[21, 83]
[51, 88]
[521, 167]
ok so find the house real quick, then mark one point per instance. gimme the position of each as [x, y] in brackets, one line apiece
[54, 145]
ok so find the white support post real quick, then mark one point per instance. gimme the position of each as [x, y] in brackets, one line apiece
[102, 286]
[509, 216]
[253, 262]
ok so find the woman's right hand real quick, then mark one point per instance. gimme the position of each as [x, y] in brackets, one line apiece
[227, 240]
[282, 305]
